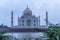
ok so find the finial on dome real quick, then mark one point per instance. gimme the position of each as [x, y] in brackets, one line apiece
[46, 11]
[27, 6]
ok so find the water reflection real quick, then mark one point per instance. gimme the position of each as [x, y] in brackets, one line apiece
[27, 36]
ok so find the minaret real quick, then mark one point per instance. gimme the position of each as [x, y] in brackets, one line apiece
[11, 18]
[39, 21]
[18, 20]
[12, 23]
[46, 18]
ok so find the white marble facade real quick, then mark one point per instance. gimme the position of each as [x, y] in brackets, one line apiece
[27, 20]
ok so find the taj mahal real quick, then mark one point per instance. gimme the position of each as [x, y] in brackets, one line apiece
[27, 20]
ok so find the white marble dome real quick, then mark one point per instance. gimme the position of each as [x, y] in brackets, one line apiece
[27, 11]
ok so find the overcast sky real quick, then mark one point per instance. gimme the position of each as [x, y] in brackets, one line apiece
[38, 7]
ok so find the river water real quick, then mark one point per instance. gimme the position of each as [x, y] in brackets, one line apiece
[32, 36]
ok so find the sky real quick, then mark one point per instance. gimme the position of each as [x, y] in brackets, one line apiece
[38, 7]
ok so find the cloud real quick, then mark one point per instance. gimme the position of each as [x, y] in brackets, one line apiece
[2, 3]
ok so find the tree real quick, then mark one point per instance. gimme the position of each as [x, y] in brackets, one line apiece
[53, 32]
[50, 34]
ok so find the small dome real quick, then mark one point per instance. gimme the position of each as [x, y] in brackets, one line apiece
[22, 16]
[33, 16]
[27, 11]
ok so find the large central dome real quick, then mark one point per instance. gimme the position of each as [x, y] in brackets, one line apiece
[27, 11]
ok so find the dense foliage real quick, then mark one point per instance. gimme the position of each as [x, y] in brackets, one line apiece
[53, 32]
